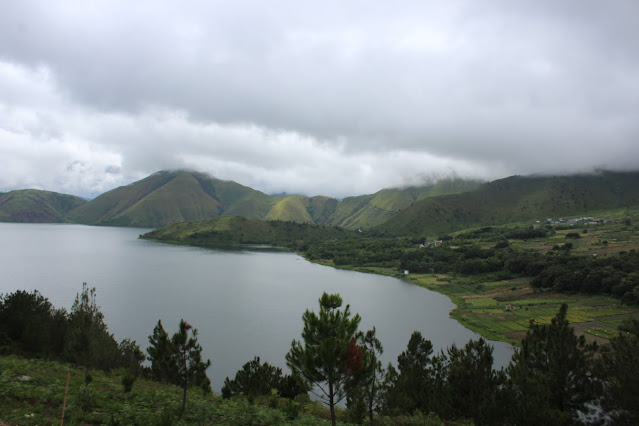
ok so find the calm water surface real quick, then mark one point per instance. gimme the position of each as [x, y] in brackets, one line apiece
[244, 303]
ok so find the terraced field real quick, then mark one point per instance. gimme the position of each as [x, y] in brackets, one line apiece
[503, 310]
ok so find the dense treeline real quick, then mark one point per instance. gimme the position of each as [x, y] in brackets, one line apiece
[616, 275]
[555, 378]
[558, 270]
[365, 251]
[31, 326]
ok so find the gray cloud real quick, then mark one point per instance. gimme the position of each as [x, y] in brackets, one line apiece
[328, 97]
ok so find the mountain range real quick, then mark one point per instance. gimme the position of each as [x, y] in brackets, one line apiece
[168, 197]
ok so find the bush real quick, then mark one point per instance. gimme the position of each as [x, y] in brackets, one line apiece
[127, 382]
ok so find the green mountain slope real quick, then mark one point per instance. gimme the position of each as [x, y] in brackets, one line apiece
[36, 206]
[103, 208]
[173, 196]
[516, 199]
[301, 209]
[293, 208]
[177, 196]
[366, 211]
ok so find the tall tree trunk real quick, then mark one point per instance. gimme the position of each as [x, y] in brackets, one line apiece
[332, 403]
[371, 396]
[184, 397]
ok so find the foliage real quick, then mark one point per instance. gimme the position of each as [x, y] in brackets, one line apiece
[619, 368]
[323, 360]
[162, 355]
[132, 356]
[472, 387]
[88, 341]
[551, 378]
[127, 382]
[363, 391]
[615, 275]
[190, 368]
[30, 325]
[39, 400]
[413, 387]
[255, 379]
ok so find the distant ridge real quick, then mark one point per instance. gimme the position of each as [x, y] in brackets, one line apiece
[37, 206]
[168, 197]
[517, 198]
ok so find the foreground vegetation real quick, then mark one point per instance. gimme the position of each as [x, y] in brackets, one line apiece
[32, 392]
[555, 378]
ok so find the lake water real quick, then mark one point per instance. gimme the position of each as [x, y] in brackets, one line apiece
[243, 303]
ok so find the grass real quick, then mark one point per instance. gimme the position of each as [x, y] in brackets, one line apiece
[32, 393]
[39, 400]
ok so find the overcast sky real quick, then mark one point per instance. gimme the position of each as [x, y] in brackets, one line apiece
[315, 97]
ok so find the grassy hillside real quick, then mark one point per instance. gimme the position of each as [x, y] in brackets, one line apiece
[170, 197]
[445, 206]
[177, 196]
[367, 211]
[36, 206]
[33, 393]
[293, 208]
[517, 199]
[240, 230]
[102, 209]
[180, 199]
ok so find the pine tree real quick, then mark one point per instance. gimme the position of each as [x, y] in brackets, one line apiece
[191, 370]
[363, 392]
[323, 359]
[551, 375]
[256, 378]
[619, 368]
[410, 389]
[88, 341]
[471, 383]
[162, 355]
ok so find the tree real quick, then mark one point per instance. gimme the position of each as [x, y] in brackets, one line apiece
[363, 394]
[323, 360]
[190, 368]
[162, 355]
[255, 379]
[131, 356]
[178, 360]
[29, 324]
[88, 341]
[471, 383]
[410, 389]
[619, 368]
[550, 377]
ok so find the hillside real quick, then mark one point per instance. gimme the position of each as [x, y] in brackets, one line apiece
[172, 196]
[366, 211]
[36, 206]
[168, 197]
[444, 206]
[517, 199]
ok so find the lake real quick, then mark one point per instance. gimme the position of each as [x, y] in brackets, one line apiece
[243, 302]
